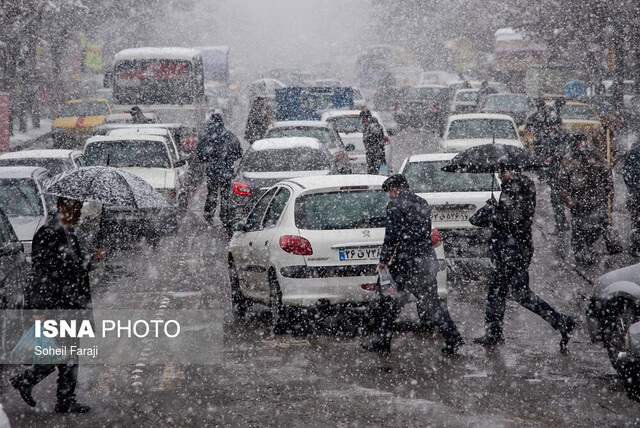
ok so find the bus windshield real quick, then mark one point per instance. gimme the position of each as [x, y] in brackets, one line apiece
[154, 81]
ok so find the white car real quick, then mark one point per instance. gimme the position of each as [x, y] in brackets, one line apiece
[454, 198]
[174, 151]
[55, 161]
[359, 101]
[312, 241]
[23, 200]
[464, 101]
[149, 157]
[349, 127]
[468, 130]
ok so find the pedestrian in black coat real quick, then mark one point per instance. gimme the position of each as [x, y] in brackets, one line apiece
[218, 149]
[552, 151]
[537, 122]
[408, 252]
[373, 140]
[61, 281]
[512, 248]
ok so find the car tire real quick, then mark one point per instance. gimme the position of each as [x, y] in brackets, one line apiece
[622, 314]
[279, 319]
[240, 304]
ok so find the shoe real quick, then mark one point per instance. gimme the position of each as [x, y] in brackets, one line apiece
[565, 331]
[72, 406]
[489, 340]
[377, 345]
[24, 390]
[452, 348]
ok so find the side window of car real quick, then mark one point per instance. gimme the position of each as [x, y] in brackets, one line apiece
[5, 235]
[276, 208]
[257, 213]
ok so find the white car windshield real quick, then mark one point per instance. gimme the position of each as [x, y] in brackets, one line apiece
[122, 154]
[321, 134]
[481, 128]
[20, 197]
[428, 177]
[342, 210]
[346, 124]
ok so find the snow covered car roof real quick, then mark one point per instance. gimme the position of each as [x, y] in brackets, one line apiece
[300, 123]
[480, 116]
[287, 143]
[40, 154]
[337, 181]
[125, 137]
[157, 53]
[430, 157]
[139, 131]
[20, 171]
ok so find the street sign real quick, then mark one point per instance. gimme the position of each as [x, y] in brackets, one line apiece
[4, 122]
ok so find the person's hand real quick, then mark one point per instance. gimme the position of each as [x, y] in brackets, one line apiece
[381, 266]
[98, 254]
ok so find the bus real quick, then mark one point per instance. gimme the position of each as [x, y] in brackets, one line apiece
[167, 81]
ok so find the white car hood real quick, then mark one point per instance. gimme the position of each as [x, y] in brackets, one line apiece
[26, 227]
[159, 178]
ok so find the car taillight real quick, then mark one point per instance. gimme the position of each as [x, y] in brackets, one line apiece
[241, 189]
[189, 144]
[386, 139]
[295, 245]
[340, 156]
[436, 239]
[369, 287]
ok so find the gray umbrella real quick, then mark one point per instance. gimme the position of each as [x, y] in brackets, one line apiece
[107, 185]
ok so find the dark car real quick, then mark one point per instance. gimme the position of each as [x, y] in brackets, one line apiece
[14, 268]
[423, 106]
[272, 160]
[517, 106]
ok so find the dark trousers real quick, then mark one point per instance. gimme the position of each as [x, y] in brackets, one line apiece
[557, 204]
[67, 379]
[511, 274]
[416, 279]
[214, 186]
[588, 223]
[375, 159]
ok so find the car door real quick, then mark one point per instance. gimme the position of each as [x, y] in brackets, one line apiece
[265, 236]
[245, 244]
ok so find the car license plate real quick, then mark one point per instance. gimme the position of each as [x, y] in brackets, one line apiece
[450, 215]
[359, 253]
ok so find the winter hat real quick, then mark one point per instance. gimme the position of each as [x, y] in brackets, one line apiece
[396, 181]
[216, 120]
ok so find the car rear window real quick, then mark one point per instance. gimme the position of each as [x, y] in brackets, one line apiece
[342, 210]
[346, 124]
[20, 197]
[428, 177]
[298, 159]
[133, 153]
[322, 135]
[467, 97]
[578, 112]
[423, 93]
[54, 166]
[481, 128]
[96, 108]
[506, 103]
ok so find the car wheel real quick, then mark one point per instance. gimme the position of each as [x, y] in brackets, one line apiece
[239, 303]
[279, 316]
[622, 315]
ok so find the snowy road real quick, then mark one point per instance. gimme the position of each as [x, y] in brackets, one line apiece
[324, 379]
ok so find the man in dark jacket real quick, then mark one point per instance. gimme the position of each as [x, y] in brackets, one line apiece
[552, 151]
[512, 247]
[218, 149]
[373, 140]
[585, 183]
[61, 281]
[408, 252]
[631, 176]
[537, 122]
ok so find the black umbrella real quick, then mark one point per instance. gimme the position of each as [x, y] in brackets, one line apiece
[486, 158]
[107, 185]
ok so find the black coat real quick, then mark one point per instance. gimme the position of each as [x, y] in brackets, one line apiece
[373, 138]
[513, 217]
[408, 234]
[218, 149]
[631, 169]
[60, 270]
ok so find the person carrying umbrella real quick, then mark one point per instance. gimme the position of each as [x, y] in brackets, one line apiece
[61, 281]
[511, 220]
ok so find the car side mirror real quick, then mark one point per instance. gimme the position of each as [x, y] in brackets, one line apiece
[11, 248]
[350, 147]
[391, 132]
[239, 225]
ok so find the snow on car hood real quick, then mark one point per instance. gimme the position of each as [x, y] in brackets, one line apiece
[159, 178]
[26, 227]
